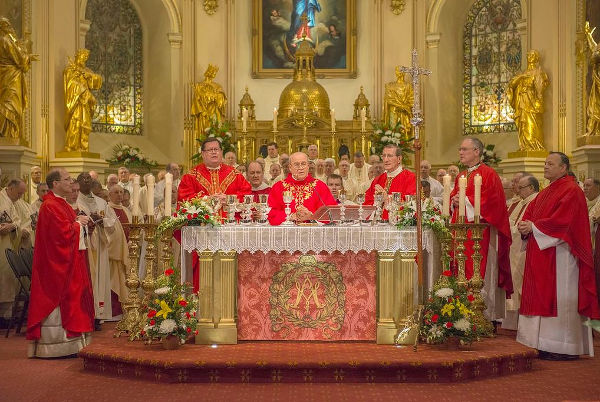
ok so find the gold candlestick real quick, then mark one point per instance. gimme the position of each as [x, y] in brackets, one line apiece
[476, 282]
[131, 313]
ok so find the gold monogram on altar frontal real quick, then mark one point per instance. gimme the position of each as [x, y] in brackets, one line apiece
[307, 294]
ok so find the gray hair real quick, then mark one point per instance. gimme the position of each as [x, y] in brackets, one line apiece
[477, 144]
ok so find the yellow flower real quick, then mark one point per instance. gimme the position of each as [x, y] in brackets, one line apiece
[463, 309]
[447, 309]
[164, 310]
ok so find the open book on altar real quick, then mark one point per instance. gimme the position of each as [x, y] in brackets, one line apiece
[332, 212]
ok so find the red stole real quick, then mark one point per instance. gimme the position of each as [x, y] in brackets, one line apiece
[558, 211]
[60, 276]
[310, 192]
[493, 212]
[124, 221]
[404, 182]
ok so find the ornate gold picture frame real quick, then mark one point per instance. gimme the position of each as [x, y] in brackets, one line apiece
[277, 26]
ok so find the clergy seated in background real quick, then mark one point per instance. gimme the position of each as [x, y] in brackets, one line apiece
[256, 179]
[313, 153]
[61, 309]
[350, 186]
[118, 251]
[213, 179]
[395, 179]
[516, 198]
[436, 188]
[15, 232]
[495, 262]
[559, 285]
[41, 191]
[527, 189]
[336, 186]
[230, 159]
[359, 170]
[36, 179]
[509, 194]
[272, 156]
[103, 218]
[308, 193]
[426, 187]
[124, 178]
[453, 171]
[328, 167]
[274, 174]
[320, 170]
[439, 176]
[111, 180]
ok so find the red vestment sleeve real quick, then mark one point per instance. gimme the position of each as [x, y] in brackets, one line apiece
[188, 188]
[60, 275]
[277, 212]
[559, 211]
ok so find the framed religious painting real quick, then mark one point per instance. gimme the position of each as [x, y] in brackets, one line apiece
[279, 25]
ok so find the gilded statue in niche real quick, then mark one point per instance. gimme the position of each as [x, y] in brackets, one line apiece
[398, 102]
[209, 101]
[79, 101]
[15, 61]
[525, 94]
[593, 107]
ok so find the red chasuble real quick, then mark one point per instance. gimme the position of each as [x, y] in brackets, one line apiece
[256, 193]
[60, 277]
[493, 212]
[201, 181]
[558, 211]
[404, 182]
[310, 192]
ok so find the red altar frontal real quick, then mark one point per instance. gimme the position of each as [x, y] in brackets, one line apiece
[318, 283]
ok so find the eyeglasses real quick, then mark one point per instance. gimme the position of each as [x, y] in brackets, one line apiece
[299, 164]
[212, 150]
[522, 187]
[465, 149]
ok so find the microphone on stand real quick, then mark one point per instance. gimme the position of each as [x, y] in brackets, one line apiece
[331, 222]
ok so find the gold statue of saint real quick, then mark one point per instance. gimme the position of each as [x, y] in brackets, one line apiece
[15, 61]
[398, 102]
[525, 94]
[209, 101]
[593, 107]
[79, 101]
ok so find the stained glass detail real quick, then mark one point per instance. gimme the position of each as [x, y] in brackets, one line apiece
[492, 55]
[115, 44]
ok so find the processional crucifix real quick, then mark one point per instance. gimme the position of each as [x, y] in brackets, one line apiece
[416, 120]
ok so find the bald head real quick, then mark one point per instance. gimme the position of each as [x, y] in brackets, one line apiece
[255, 174]
[15, 189]
[425, 169]
[299, 165]
[115, 194]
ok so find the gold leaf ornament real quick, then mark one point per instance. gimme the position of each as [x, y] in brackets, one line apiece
[210, 6]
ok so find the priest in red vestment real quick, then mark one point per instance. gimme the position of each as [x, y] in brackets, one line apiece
[559, 285]
[214, 179]
[61, 310]
[308, 193]
[495, 246]
[395, 179]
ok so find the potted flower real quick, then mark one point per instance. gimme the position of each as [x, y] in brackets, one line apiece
[386, 134]
[171, 314]
[431, 217]
[448, 313]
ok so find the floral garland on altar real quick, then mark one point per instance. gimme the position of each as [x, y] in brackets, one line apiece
[448, 312]
[219, 130]
[172, 312]
[198, 211]
[386, 134]
[131, 157]
[431, 217]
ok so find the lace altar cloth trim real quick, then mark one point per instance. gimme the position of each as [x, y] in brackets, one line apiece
[302, 238]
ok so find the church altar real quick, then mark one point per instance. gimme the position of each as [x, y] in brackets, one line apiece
[319, 283]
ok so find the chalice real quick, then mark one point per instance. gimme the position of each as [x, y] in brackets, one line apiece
[360, 198]
[231, 206]
[287, 199]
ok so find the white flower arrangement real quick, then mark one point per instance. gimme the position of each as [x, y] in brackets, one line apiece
[162, 291]
[462, 324]
[167, 326]
[444, 292]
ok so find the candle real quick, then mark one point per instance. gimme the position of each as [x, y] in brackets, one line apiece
[168, 193]
[446, 196]
[274, 119]
[150, 194]
[477, 206]
[135, 200]
[363, 119]
[332, 119]
[244, 119]
[462, 189]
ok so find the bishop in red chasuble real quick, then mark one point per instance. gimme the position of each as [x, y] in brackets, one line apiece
[395, 179]
[308, 193]
[61, 310]
[497, 238]
[213, 179]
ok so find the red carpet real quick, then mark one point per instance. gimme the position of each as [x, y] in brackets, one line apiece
[289, 362]
[24, 379]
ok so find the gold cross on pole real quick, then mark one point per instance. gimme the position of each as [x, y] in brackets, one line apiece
[415, 72]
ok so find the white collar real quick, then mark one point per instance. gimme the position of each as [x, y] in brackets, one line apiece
[262, 186]
[472, 168]
[396, 172]
[215, 168]
[529, 198]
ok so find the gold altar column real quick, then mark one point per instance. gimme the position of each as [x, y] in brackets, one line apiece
[395, 292]
[217, 318]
